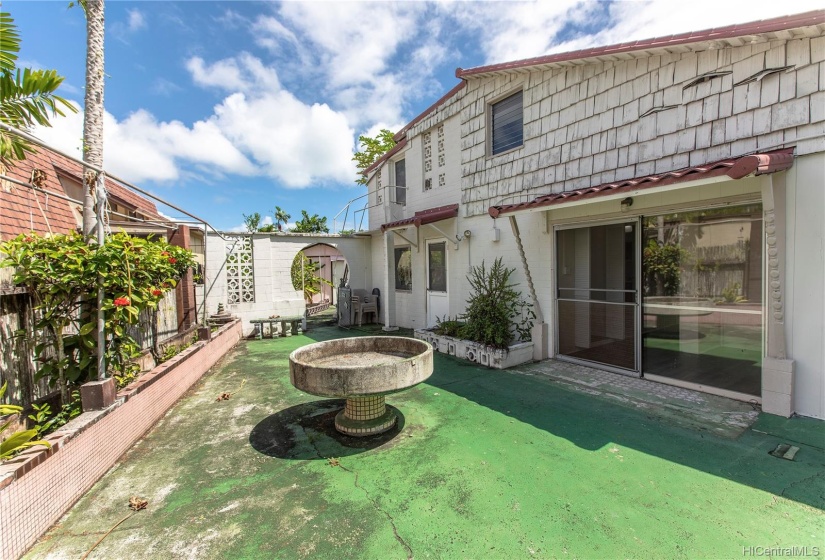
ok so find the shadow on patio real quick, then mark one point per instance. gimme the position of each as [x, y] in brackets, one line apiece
[486, 464]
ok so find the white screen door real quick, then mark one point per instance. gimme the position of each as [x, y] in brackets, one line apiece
[438, 301]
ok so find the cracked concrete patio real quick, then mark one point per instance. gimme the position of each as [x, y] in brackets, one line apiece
[548, 460]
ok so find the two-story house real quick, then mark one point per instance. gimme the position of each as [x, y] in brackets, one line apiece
[662, 201]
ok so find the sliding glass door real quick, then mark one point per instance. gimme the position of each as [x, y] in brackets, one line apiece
[597, 295]
[702, 297]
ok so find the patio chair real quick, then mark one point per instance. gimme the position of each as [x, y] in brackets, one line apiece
[362, 303]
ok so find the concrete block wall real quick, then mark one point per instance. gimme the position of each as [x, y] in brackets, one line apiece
[40, 485]
[608, 121]
[273, 255]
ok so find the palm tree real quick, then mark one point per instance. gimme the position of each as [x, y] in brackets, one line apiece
[26, 96]
[93, 107]
[310, 224]
[281, 217]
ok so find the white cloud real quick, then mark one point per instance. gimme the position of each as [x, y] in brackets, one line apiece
[162, 86]
[270, 32]
[140, 148]
[350, 66]
[258, 129]
[516, 30]
[370, 58]
[243, 73]
[297, 143]
[136, 20]
[265, 221]
[356, 39]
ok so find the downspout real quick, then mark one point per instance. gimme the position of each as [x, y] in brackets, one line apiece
[540, 329]
[530, 287]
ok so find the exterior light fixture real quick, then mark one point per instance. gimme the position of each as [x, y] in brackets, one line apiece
[626, 204]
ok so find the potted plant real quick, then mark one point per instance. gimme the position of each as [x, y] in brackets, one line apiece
[496, 328]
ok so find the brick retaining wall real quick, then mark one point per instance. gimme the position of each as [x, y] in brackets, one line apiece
[37, 487]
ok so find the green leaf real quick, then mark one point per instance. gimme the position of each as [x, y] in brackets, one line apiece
[87, 328]
[18, 441]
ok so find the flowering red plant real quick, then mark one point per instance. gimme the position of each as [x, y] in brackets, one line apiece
[64, 270]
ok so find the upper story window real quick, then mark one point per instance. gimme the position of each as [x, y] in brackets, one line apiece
[506, 124]
[401, 182]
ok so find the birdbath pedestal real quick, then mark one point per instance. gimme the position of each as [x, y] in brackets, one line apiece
[362, 370]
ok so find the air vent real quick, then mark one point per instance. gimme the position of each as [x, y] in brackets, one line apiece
[657, 110]
[762, 74]
[706, 78]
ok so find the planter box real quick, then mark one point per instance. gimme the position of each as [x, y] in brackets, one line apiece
[479, 353]
[39, 485]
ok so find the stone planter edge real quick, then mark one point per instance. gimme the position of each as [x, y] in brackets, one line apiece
[481, 354]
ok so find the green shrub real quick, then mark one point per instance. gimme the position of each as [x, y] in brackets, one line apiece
[449, 327]
[496, 313]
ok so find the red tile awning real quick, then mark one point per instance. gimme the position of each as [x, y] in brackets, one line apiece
[424, 217]
[734, 168]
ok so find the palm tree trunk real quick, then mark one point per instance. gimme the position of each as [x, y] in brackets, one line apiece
[93, 110]
[93, 152]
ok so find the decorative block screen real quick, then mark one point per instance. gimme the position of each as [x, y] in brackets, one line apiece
[240, 273]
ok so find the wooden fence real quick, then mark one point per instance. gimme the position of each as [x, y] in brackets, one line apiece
[18, 339]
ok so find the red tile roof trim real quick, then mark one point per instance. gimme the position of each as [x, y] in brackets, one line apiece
[807, 19]
[734, 168]
[425, 217]
[401, 133]
[400, 136]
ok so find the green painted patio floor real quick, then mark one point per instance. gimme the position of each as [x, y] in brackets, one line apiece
[488, 464]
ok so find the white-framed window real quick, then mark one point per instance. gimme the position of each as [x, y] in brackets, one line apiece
[403, 268]
[506, 123]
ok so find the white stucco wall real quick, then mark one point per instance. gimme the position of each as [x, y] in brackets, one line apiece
[273, 254]
[805, 282]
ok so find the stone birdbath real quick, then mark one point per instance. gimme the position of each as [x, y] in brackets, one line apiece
[362, 370]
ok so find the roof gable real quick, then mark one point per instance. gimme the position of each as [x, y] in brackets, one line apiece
[734, 35]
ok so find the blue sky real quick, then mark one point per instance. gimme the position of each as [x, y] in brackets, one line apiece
[229, 108]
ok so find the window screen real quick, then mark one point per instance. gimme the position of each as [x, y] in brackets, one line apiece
[507, 126]
[401, 182]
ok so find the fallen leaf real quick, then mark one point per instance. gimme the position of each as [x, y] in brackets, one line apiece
[138, 504]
